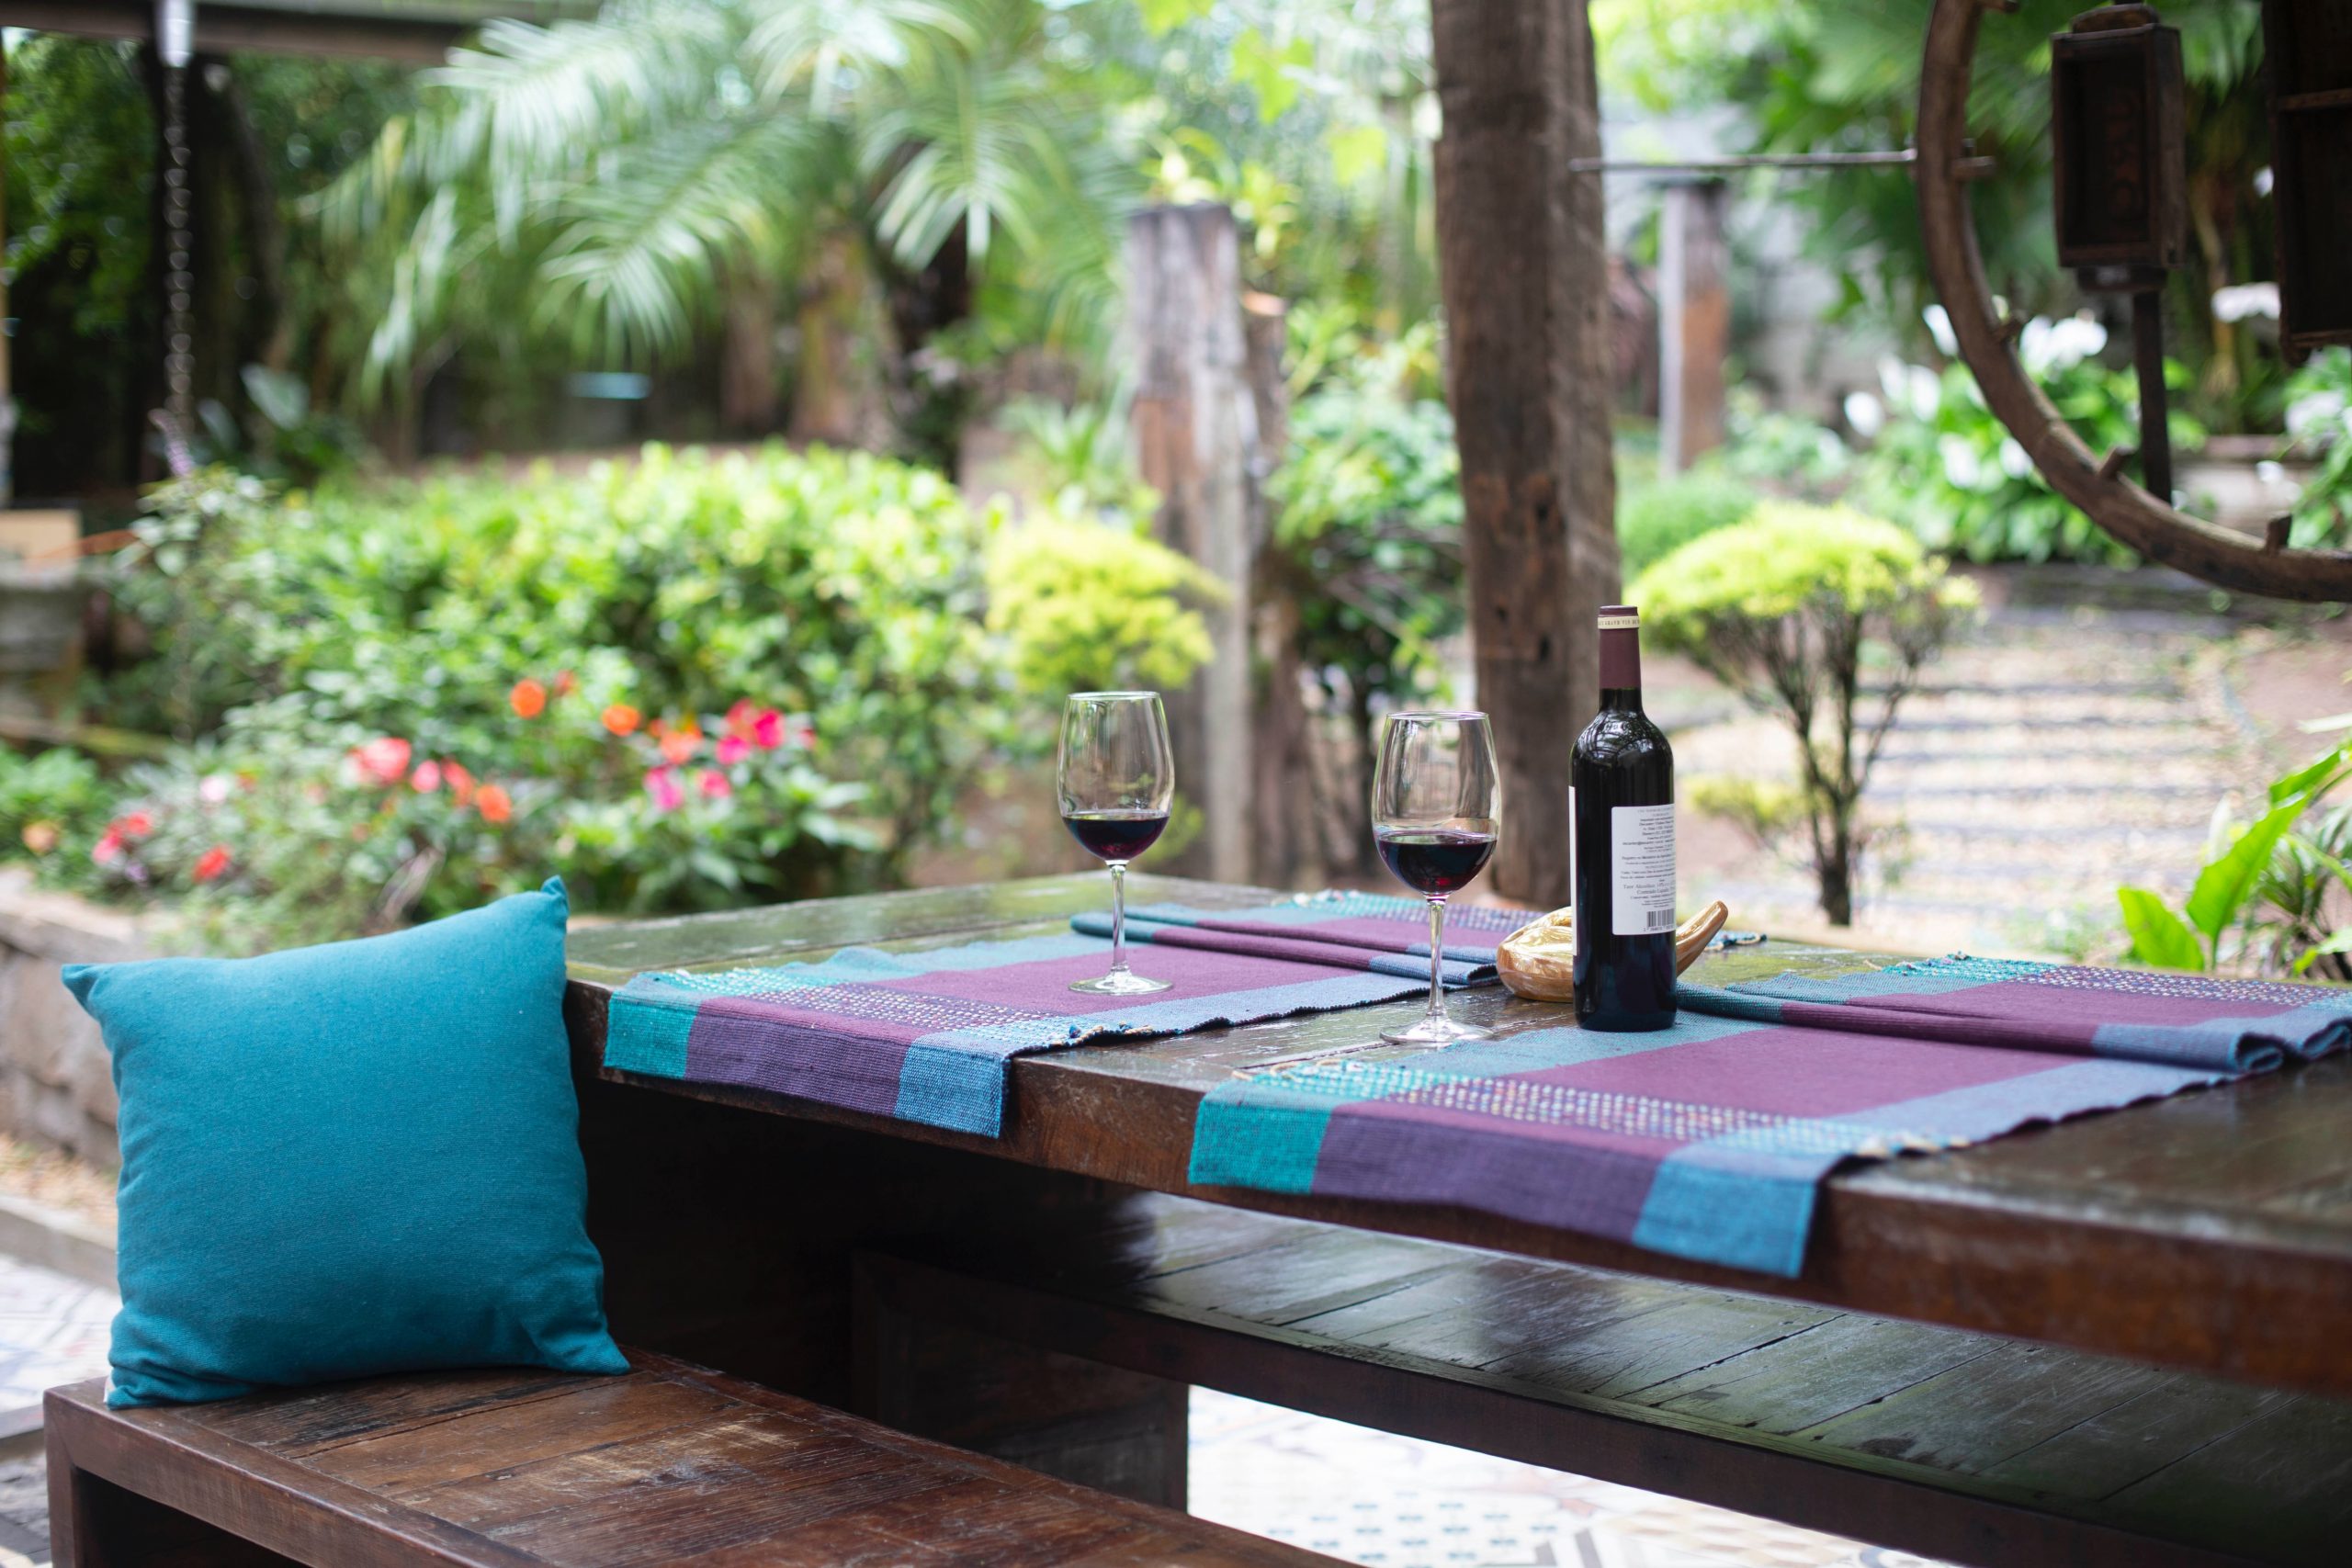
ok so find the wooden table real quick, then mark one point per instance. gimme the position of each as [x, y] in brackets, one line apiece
[2210, 1232]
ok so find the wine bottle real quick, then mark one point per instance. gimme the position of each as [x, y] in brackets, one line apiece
[1621, 847]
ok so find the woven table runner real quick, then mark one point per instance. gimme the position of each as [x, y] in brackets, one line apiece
[929, 1036]
[1709, 1140]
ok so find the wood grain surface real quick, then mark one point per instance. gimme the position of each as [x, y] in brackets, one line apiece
[2210, 1232]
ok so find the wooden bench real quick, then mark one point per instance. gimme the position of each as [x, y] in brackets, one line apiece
[1954, 1445]
[504, 1468]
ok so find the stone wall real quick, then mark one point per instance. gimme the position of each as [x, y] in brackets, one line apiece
[54, 1084]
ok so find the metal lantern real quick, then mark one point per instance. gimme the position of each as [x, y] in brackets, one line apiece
[2311, 130]
[2120, 167]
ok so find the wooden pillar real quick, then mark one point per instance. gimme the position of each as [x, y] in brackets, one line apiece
[1282, 848]
[8, 388]
[1524, 274]
[1196, 440]
[1694, 323]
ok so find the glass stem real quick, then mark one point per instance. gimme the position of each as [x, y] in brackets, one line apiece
[1437, 956]
[1118, 916]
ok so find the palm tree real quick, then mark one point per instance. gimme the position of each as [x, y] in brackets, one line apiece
[607, 183]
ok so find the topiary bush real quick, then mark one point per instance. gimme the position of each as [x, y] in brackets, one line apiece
[1657, 518]
[1781, 609]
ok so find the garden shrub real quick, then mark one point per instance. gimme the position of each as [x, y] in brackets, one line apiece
[2319, 426]
[1780, 608]
[1096, 606]
[684, 682]
[1656, 518]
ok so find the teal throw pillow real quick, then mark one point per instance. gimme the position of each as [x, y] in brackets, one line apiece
[349, 1159]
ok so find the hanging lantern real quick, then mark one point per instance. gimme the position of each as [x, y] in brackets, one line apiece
[2119, 158]
[2311, 132]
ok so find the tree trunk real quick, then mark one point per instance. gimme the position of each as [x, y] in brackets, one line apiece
[749, 399]
[1524, 273]
[932, 400]
[1196, 444]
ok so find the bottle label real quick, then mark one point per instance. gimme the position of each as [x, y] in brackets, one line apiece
[1641, 870]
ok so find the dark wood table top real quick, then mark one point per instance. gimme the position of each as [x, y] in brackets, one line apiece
[2210, 1230]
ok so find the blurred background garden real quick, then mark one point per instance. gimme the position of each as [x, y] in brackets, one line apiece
[690, 444]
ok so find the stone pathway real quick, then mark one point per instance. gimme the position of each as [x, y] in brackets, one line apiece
[1391, 1502]
[2072, 745]
[52, 1330]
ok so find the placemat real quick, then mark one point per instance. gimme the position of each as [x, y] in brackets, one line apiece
[929, 1036]
[1709, 1140]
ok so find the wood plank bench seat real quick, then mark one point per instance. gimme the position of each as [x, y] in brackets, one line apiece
[1958, 1446]
[505, 1467]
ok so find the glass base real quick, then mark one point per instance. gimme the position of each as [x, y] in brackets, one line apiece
[1435, 1029]
[1119, 983]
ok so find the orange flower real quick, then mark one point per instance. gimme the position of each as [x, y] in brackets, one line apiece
[211, 864]
[460, 782]
[621, 719]
[528, 699]
[495, 804]
[682, 743]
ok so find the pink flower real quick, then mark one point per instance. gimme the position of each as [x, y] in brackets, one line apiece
[215, 789]
[767, 730]
[137, 825]
[662, 784]
[732, 748]
[714, 784]
[211, 864]
[383, 761]
[427, 777]
[108, 849]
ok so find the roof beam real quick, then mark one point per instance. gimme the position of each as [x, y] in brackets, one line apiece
[228, 28]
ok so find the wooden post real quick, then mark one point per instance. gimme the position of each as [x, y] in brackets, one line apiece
[1694, 324]
[1282, 845]
[1196, 439]
[1524, 274]
[8, 390]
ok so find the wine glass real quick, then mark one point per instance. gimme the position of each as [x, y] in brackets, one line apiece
[1434, 817]
[1115, 784]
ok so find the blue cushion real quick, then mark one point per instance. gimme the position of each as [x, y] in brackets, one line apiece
[349, 1159]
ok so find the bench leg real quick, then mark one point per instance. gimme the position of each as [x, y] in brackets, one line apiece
[1117, 1431]
[93, 1523]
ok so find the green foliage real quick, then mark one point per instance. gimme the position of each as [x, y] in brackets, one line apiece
[1083, 458]
[1944, 464]
[1780, 608]
[1762, 808]
[1370, 519]
[2276, 885]
[2319, 424]
[1657, 518]
[44, 796]
[1095, 606]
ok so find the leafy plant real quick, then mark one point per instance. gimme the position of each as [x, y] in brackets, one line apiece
[1656, 519]
[2272, 881]
[1781, 609]
[1944, 464]
[1096, 606]
[2319, 423]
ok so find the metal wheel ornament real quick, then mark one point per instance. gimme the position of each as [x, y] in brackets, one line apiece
[2148, 523]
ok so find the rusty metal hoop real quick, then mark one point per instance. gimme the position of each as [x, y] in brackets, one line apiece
[2148, 523]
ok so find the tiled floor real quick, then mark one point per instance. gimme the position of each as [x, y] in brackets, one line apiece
[1392, 1501]
[52, 1330]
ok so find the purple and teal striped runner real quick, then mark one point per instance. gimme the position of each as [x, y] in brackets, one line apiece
[1709, 1140]
[929, 1036]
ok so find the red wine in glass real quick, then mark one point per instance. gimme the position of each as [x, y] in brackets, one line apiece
[1115, 835]
[1436, 861]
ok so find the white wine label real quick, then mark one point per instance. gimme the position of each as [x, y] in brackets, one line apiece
[1621, 623]
[1641, 870]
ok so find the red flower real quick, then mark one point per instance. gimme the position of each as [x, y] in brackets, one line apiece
[680, 743]
[107, 849]
[714, 784]
[462, 783]
[210, 863]
[137, 825]
[732, 750]
[740, 716]
[662, 784]
[383, 761]
[528, 699]
[621, 719]
[767, 730]
[427, 777]
[495, 805]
